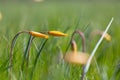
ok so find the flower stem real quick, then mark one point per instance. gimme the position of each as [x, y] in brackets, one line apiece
[83, 39]
[83, 46]
[11, 50]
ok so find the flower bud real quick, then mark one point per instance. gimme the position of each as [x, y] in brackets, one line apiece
[37, 34]
[56, 33]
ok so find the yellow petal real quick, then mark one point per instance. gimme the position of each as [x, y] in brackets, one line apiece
[79, 58]
[98, 32]
[37, 34]
[107, 37]
[56, 33]
[74, 46]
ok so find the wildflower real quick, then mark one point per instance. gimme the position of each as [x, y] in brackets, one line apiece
[74, 46]
[107, 36]
[37, 34]
[76, 57]
[56, 33]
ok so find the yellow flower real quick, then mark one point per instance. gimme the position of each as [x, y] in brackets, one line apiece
[37, 34]
[107, 37]
[98, 32]
[56, 33]
[76, 58]
[74, 46]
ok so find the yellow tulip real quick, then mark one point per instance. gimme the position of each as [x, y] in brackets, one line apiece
[76, 57]
[98, 32]
[37, 34]
[56, 33]
[107, 37]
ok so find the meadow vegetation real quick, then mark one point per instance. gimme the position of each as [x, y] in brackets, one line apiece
[65, 17]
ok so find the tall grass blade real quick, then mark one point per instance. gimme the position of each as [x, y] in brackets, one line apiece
[96, 47]
[26, 54]
[4, 66]
[37, 57]
[11, 49]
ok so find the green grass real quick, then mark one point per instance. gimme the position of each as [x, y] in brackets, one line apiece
[64, 17]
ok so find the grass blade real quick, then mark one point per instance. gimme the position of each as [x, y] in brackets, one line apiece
[37, 57]
[26, 54]
[11, 49]
[96, 47]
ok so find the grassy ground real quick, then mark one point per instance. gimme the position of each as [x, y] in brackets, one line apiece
[64, 17]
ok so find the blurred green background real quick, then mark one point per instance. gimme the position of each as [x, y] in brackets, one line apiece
[65, 16]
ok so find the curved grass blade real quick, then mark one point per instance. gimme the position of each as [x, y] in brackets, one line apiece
[11, 49]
